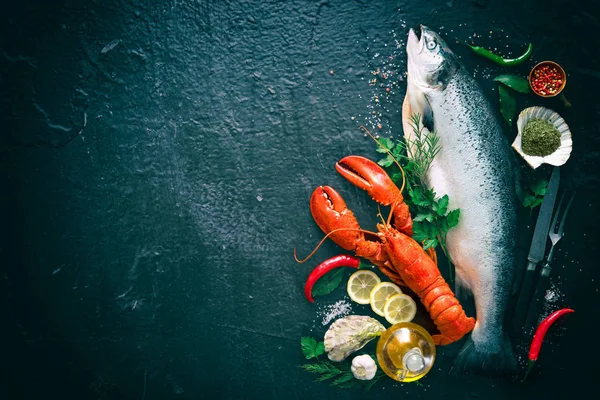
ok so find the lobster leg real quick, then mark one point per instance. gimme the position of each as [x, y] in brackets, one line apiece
[370, 177]
[330, 212]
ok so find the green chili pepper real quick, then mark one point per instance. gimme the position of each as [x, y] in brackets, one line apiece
[505, 62]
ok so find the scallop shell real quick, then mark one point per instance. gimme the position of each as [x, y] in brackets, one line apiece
[562, 154]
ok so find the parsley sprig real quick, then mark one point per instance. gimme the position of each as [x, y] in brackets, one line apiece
[431, 221]
[534, 193]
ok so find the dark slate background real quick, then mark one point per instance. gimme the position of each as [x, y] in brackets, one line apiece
[157, 158]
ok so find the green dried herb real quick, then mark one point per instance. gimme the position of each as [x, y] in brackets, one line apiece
[540, 138]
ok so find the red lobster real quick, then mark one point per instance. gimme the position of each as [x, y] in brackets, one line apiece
[396, 254]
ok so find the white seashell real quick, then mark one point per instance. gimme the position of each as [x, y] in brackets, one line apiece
[562, 154]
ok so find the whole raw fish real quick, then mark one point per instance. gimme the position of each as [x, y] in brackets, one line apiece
[474, 169]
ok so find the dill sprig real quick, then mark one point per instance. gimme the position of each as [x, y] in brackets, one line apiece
[340, 376]
[415, 155]
[422, 149]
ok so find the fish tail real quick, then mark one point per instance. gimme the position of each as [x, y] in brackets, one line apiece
[490, 358]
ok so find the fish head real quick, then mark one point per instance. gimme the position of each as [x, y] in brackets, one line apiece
[431, 63]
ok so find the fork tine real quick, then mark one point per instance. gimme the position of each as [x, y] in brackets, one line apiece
[556, 212]
[564, 217]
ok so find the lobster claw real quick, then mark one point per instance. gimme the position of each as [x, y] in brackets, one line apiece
[329, 211]
[370, 177]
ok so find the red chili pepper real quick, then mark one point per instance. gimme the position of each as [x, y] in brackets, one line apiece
[341, 260]
[540, 333]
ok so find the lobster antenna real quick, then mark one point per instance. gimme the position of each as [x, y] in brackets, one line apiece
[379, 214]
[323, 240]
[397, 163]
[390, 154]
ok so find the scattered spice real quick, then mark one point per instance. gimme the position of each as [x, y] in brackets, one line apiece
[547, 80]
[540, 333]
[540, 138]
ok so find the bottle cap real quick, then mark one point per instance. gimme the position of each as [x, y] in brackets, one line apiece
[413, 360]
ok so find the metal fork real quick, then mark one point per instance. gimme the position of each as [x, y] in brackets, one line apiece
[555, 234]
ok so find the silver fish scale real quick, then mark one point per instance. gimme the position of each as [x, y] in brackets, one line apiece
[474, 169]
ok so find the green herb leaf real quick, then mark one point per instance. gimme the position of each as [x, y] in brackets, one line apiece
[514, 82]
[387, 143]
[328, 283]
[396, 176]
[419, 233]
[420, 201]
[320, 349]
[442, 205]
[537, 202]
[452, 218]
[539, 187]
[535, 193]
[430, 196]
[311, 348]
[508, 104]
[443, 225]
[429, 243]
[528, 200]
[423, 217]
[386, 162]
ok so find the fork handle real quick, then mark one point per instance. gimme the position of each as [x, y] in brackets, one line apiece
[523, 302]
[540, 296]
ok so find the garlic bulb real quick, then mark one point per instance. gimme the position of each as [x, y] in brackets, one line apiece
[562, 154]
[363, 367]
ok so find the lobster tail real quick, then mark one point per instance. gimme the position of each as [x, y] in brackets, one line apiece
[421, 274]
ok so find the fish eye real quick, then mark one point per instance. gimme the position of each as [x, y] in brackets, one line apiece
[432, 44]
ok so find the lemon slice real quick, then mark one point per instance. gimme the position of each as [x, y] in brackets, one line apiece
[399, 308]
[380, 294]
[360, 285]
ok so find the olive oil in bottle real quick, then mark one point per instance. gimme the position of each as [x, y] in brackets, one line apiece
[406, 352]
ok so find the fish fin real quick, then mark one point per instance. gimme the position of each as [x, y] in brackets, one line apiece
[428, 116]
[415, 103]
[478, 358]
[419, 104]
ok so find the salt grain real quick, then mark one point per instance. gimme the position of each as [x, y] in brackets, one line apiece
[333, 311]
